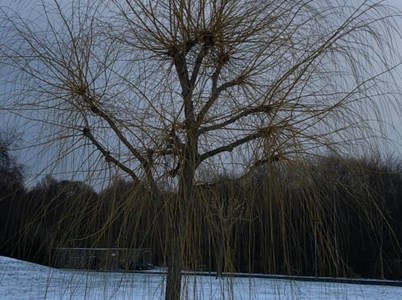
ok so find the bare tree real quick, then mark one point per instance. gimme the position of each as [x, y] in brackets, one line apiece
[162, 88]
[11, 172]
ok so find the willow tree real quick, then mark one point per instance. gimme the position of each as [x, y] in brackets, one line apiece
[163, 89]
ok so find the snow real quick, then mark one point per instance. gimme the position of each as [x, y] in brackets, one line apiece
[21, 280]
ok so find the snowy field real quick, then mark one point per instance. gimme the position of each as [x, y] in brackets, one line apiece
[21, 281]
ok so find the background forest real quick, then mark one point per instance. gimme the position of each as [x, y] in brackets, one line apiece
[329, 216]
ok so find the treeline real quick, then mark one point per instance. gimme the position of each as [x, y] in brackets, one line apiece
[328, 216]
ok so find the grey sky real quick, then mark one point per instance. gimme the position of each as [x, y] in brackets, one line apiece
[35, 162]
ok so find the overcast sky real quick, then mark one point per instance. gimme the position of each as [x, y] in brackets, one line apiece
[33, 162]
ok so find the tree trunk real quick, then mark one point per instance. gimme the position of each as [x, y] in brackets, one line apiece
[173, 283]
[179, 212]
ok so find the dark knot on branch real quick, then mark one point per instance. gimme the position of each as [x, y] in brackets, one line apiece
[86, 131]
[94, 109]
[79, 89]
[208, 39]
[172, 51]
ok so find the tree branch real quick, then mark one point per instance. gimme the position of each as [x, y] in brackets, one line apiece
[244, 113]
[215, 93]
[208, 42]
[97, 111]
[145, 163]
[108, 157]
[231, 146]
[179, 60]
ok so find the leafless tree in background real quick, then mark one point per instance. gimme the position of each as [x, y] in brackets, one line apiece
[161, 89]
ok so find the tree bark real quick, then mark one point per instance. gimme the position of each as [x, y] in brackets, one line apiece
[179, 211]
[173, 282]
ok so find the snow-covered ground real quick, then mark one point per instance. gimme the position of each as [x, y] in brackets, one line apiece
[21, 281]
